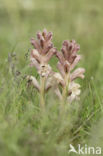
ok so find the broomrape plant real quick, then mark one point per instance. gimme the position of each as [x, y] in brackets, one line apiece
[63, 80]
[40, 56]
[68, 59]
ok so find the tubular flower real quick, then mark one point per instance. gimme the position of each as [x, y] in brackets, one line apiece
[62, 82]
[68, 59]
[39, 58]
[74, 91]
[42, 52]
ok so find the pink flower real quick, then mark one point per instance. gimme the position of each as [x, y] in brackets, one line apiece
[42, 52]
[68, 59]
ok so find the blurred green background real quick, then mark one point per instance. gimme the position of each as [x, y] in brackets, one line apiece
[81, 20]
[68, 19]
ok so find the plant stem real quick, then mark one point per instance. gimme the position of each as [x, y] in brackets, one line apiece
[64, 95]
[65, 89]
[42, 92]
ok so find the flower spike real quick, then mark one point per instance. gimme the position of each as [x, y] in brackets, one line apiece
[41, 54]
[62, 82]
[68, 59]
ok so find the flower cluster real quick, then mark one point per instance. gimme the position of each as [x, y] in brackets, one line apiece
[40, 56]
[68, 59]
[63, 80]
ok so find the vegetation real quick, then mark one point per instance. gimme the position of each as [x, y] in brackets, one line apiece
[24, 130]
